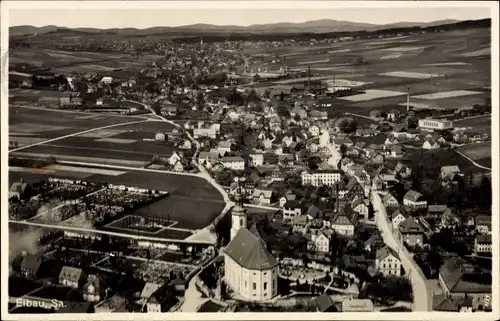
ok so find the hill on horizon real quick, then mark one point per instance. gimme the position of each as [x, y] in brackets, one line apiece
[316, 26]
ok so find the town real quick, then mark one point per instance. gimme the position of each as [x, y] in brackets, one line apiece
[343, 172]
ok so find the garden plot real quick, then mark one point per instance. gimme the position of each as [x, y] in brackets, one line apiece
[102, 133]
[27, 128]
[116, 140]
[448, 94]
[412, 75]
[372, 94]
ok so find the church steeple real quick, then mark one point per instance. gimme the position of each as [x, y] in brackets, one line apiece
[238, 213]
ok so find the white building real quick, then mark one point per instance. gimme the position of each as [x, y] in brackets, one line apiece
[435, 124]
[482, 244]
[397, 218]
[321, 177]
[256, 159]
[322, 241]
[387, 262]
[250, 269]
[210, 132]
[224, 147]
[291, 209]
[107, 80]
[233, 162]
[314, 130]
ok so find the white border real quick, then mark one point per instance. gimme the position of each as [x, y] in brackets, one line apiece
[83, 5]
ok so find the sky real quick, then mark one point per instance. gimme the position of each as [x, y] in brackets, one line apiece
[243, 17]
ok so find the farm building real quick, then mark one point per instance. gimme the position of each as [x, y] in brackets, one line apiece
[435, 124]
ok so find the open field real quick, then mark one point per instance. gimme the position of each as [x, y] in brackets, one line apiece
[480, 124]
[50, 124]
[479, 153]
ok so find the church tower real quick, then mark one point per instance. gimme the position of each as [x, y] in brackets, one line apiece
[238, 213]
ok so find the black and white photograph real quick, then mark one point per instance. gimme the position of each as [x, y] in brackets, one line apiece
[237, 157]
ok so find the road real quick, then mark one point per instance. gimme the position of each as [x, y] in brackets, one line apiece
[421, 297]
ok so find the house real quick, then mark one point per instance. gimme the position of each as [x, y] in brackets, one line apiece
[411, 232]
[322, 241]
[344, 224]
[457, 279]
[179, 166]
[168, 109]
[313, 212]
[414, 200]
[161, 300]
[390, 201]
[450, 219]
[397, 218]
[402, 170]
[448, 173]
[106, 80]
[256, 160]
[224, 147]
[430, 144]
[374, 243]
[387, 262]
[324, 303]
[291, 209]
[314, 130]
[482, 244]
[442, 303]
[361, 206]
[176, 157]
[92, 290]
[208, 159]
[71, 277]
[287, 197]
[263, 196]
[299, 223]
[209, 132]
[396, 151]
[30, 266]
[321, 177]
[18, 189]
[354, 188]
[233, 162]
[483, 224]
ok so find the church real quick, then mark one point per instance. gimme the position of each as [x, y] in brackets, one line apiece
[250, 269]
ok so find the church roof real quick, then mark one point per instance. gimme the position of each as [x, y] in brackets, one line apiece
[249, 251]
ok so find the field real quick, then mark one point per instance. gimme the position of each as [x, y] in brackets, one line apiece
[193, 203]
[481, 124]
[427, 64]
[78, 61]
[479, 153]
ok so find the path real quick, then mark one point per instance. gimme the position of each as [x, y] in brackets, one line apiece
[76, 134]
[77, 112]
[470, 160]
[421, 299]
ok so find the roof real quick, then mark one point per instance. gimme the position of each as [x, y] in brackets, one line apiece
[18, 187]
[384, 252]
[149, 289]
[267, 193]
[211, 155]
[232, 159]
[92, 280]
[387, 197]
[323, 302]
[250, 252]
[450, 169]
[410, 226]
[292, 204]
[483, 239]
[452, 272]
[437, 208]
[342, 219]
[31, 262]
[413, 195]
[375, 240]
[313, 211]
[442, 303]
[70, 273]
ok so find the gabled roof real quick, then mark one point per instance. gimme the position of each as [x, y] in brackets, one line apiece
[410, 226]
[387, 197]
[292, 204]
[324, 302]
[70, 273]
[31, 262]
[149, 289]
[250, 252]
[384, 252]
[413, 195]
[442, 303]
[313, 211]
[375, 240]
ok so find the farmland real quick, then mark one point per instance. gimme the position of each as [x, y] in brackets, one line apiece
[479, 153]
[455, 62]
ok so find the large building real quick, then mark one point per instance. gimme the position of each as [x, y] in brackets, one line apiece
[435, 124]
[250, 269]
[322, 177]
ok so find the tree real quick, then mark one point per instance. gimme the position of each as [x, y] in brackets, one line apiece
[283, 111]
[256, 78]
[200, 100]
[343, 150]
[348, 126]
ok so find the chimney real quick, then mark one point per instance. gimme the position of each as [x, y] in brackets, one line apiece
[408, 101]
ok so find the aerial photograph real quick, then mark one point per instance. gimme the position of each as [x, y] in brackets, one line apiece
[249, 160]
